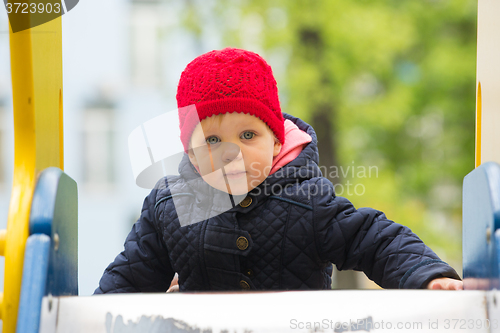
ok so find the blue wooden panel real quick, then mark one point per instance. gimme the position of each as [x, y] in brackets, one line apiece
[36, 265]
[54, 212]
[497, 244]
[481, 219]
[44, 201]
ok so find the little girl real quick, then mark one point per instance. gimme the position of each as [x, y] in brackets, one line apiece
[251, 209]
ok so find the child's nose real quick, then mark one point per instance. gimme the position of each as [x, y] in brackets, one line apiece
[231, 152]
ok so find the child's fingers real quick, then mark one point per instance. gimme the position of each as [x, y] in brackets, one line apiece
[174, 285]
[457, 285]
[445, 284]
[173, 289]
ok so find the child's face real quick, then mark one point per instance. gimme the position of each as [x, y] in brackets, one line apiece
[233, 152]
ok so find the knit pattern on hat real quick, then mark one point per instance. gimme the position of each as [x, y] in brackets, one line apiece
[225, 81]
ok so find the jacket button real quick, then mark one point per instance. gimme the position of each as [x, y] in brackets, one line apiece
[249, 272]
[244, 285]
[246, 202]
[242, 243]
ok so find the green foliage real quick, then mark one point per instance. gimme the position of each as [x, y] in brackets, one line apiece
[399, 77]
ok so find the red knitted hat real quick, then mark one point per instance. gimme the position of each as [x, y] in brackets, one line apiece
[226, 81]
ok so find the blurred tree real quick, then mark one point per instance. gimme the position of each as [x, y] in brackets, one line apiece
[389, 87]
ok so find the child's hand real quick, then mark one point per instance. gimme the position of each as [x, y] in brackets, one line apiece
[173, 289]
[446, 284]
[174, 285]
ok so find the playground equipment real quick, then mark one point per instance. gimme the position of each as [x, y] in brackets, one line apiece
[50, 261]
[487, 82]
[45, 240]
[36, 63]
[481, 190]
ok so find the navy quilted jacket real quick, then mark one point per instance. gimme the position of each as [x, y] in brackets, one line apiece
[285, 235]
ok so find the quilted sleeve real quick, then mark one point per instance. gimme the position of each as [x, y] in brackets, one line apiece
[144, 265]
[365, 240]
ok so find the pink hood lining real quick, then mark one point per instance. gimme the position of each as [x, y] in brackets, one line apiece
[295, 141]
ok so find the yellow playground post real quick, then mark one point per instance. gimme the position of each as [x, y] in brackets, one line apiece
[488, 82]
[36, 66]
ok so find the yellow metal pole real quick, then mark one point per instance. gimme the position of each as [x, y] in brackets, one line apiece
[479, 120]
[36, 66]
[3, 237]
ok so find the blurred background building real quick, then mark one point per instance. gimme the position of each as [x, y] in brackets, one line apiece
[388, 86]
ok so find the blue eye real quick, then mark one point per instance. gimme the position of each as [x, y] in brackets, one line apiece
[212, 140]
[248, 135]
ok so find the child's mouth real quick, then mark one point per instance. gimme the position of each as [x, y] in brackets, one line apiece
[235, 174]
